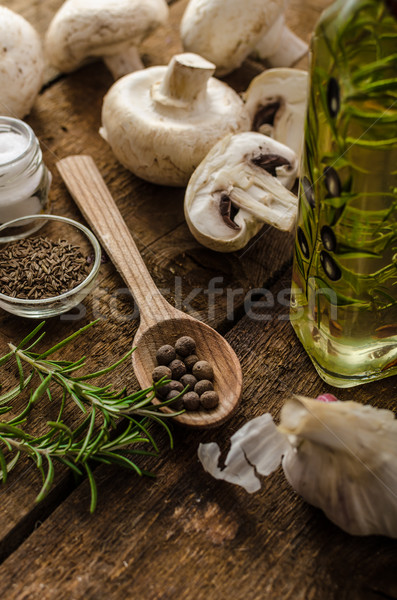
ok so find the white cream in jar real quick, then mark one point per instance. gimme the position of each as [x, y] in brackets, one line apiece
[24, 179]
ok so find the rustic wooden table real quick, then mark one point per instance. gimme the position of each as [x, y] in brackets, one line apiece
[182, 535]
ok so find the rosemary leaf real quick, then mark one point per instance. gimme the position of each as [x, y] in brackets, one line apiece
[114, 424]
[48, 480]
[67, 340]
[31, 335]
[93, 488]
[3, 466]
[107, 370]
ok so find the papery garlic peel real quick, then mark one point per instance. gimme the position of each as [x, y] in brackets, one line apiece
[339, 456]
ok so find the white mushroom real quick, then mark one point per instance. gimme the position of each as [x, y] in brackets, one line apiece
[280, 47]
[240, 185]
[276, 101]
[21, 64]
[162, 121]
[111, 29]
[227, 31]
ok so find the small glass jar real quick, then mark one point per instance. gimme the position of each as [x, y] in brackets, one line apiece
[55, 228]
[24, 179]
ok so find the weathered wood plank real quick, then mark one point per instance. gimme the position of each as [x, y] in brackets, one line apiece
[186, 535]
[57, 118]
[167, 246]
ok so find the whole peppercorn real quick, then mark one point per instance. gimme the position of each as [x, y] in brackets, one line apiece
[209, 400]
[190, 361]
[185, 346]
[165, 355]
[188, 380]
[191, 401]
[178, 368]
[203, 370]
[173, 385]
[204, 385]
[160, 372]
[176, 404]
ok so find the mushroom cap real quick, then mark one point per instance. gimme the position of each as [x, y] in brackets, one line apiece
[225, 32]
[164, 142]
[83, 29]
[232, 169]
[21, 64]
[288, 88]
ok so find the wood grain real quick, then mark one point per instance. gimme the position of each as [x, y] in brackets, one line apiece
[188, 536]
[160, 323]
[182, 535]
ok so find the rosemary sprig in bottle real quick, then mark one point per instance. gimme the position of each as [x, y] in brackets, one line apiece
[113, 428]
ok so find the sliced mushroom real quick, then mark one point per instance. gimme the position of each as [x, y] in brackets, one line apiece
[240, 185]
[21, 64]
[227, 31]
[276, 101]
[162, 121]
[111, 29]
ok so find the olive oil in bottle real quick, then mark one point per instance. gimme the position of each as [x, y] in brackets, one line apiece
[344, 287]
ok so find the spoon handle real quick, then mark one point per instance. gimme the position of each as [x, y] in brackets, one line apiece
[94, 200]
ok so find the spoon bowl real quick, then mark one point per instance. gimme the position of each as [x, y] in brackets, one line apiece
[210, 346]
[160, 322]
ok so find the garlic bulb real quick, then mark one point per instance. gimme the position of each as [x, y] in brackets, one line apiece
[339, 456]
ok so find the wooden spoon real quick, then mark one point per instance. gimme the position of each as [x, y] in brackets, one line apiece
[160, 323]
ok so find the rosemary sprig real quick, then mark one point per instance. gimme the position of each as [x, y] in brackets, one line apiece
[114, 427]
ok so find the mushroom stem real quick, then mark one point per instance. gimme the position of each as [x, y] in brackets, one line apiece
[280, 47]
[185, 81]
[281, 215]
[277, 205]
[123, 63]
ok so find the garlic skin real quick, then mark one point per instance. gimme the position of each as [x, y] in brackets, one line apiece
[339, 456]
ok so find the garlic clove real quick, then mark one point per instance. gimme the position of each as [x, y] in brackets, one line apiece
[345, 462]
[339, 456]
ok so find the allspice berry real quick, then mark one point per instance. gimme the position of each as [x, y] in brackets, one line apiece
[176, 404]
[160, 372]
[173, 385]
[190, 361]
[204, 385]
[188, 374]
[189, 380]
[203, 370]
[165, 355]
[178, 368]
[185, 345]
[209, 400]
[191, 401]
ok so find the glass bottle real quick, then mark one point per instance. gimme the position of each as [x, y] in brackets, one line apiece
[344, 286]
[24, 178]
